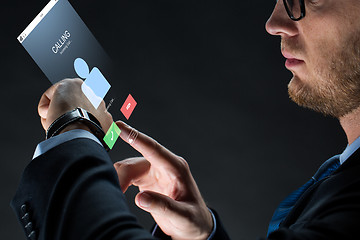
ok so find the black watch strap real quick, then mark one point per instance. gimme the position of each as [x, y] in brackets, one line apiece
[78, 114]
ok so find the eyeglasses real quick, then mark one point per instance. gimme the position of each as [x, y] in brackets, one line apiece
[295, 9]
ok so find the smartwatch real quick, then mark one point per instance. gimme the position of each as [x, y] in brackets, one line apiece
[81, 115]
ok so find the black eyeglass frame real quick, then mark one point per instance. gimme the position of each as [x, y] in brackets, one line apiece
[302, 9]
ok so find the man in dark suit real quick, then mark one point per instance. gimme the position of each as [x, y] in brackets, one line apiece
[70, 190]
[321, 41]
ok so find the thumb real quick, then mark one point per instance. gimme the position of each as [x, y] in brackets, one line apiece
[180, 220]
[130, 170]
[158, 204]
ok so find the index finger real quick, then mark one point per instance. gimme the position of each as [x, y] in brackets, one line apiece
[155, 153]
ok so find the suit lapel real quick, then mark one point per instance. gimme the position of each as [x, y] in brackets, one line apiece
[301, 204]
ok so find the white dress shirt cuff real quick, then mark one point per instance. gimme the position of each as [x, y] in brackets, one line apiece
[52, 142]
[214, 229]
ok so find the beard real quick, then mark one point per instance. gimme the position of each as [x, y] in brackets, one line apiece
[334, 88]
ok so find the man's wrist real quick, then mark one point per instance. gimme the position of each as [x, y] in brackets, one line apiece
[78, 115]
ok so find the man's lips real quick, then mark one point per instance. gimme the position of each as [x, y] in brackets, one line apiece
[291, 60]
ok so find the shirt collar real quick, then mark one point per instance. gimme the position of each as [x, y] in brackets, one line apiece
[349, 150]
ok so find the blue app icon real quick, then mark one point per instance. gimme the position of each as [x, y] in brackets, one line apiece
[95, 85]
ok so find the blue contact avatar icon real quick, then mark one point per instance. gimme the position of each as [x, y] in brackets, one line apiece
[95, 85]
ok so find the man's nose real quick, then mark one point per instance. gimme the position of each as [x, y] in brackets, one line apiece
[280, 23]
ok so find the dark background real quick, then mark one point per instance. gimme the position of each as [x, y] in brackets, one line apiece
[210, 85]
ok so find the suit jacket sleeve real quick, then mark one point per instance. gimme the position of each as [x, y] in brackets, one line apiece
[72, 192]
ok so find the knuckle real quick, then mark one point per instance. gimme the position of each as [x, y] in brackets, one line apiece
[77, 81]
[183, 163]
[62, 85]
[121, 166]
[70, 82]
[125, 165]
[59, 86]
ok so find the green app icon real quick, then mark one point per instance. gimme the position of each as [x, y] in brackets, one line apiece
[112, 135]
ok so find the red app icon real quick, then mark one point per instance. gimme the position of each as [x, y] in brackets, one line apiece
[128, 106]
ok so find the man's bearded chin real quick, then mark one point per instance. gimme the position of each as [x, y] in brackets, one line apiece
[328, 101]
[335, 88]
